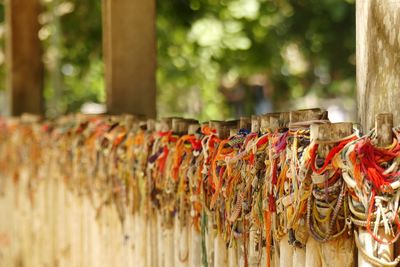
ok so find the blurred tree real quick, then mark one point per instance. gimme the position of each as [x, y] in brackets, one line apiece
[212, 54]
[2, 48]
[72, 37]
[300, 46]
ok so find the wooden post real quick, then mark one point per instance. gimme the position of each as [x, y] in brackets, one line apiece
[218, 255]
[383, 126]
[180, 126]
[245, 123]
[318, 254]
[297, 117]
[286, 250]
[23, 57]
[378, 54]
[307, 115]
[266, 119]
[220, 251]
[384, 136]
[229, 256]
[129, 44]
[255, 123]
[194, 235]
[273, 125]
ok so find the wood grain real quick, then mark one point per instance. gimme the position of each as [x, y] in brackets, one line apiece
[24, 66]
[378, 59]
[129, 44]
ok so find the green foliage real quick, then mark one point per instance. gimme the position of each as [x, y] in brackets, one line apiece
[298, 46]
[75, 72]
[302, 46]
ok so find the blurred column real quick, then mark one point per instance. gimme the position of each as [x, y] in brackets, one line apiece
[378, 86]
[378, 59]
[24, 79]
[129, 45]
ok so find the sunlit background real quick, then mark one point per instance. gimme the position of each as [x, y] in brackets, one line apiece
[217, 59]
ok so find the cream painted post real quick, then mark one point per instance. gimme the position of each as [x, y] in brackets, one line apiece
[220, 256]
[194, 235]
[264, 126]
[286, 250]
[339, 251]
[303, 116]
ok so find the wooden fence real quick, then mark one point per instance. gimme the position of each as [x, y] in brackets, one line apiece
[281, 189]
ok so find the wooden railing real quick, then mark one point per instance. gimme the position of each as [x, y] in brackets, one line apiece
[117, 191]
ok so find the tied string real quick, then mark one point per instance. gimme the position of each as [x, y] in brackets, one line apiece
[196, 190]
[328, 193]
[206, 130]
[276, 178]
[209, 145]
[81, 127]
[298, 141]
[138, 152]
[262, 141]
[183, 156]
[218, 168]
[120, 138]
[163, 140]
[139, 139]
[161, 156]
[369, 218]
[163, 159]
[241, 151]
[238, 140]
[236, 162]
[334, 151]
[272, 162]
[373, 185]
[244, 149]
[184, 146]
[268, 230]
[238, 197]
[131, 161]
[104, 133]
[369, 160]
[280, 145]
